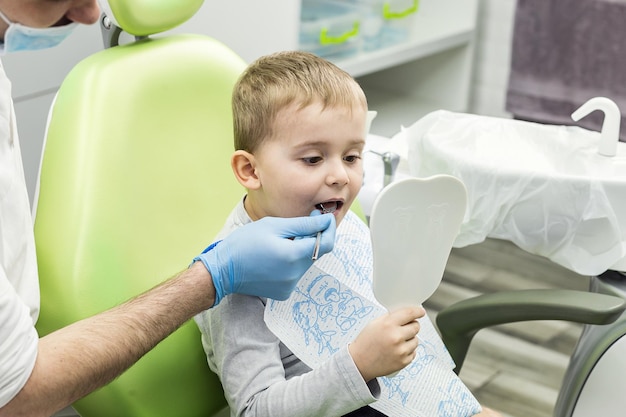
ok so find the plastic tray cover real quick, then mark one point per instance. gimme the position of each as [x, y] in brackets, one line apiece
[521, 194]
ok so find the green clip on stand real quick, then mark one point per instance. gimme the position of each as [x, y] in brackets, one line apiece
[135, 181]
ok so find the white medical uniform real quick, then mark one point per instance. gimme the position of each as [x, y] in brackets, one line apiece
[19, 286]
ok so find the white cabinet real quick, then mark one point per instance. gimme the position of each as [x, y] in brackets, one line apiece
[431, 70]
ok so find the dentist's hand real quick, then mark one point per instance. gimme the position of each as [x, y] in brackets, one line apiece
[268, 257]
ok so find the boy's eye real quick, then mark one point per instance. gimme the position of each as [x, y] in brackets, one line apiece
[352, 158]
[312, 160]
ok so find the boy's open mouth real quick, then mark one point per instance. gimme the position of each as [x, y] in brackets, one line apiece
[329, 206]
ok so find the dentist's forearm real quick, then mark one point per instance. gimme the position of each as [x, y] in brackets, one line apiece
[78, 359]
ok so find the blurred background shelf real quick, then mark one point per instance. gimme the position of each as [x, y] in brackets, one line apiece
[430, 70]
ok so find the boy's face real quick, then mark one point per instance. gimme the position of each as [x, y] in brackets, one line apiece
[312, 161]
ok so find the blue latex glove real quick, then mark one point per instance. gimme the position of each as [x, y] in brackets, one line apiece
[268, 257]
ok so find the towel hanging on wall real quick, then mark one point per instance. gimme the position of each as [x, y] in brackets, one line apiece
[565, 52]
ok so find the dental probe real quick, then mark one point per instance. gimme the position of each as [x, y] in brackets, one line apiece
[316, 250]
[318, 237]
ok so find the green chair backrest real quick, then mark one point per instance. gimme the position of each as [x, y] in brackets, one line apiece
[135, 181]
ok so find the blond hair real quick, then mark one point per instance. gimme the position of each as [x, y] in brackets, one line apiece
[278, 80]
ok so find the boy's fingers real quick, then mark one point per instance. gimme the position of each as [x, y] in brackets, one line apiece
[406, 315]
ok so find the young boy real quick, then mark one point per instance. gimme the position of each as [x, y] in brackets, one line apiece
[300, 128]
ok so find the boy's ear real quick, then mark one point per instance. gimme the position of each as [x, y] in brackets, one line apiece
[243, 165]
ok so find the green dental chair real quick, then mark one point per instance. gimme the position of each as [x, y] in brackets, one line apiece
[135, 181]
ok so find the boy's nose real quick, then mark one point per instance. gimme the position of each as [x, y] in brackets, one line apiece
[337, 175]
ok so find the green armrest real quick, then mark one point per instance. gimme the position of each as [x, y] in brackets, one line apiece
[461, 321]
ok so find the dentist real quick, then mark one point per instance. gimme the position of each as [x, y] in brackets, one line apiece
[39, 376]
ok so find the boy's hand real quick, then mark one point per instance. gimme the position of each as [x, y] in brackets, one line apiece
[387, 344]
[268, 257]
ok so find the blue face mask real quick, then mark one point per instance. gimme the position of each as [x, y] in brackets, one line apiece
[23, 38]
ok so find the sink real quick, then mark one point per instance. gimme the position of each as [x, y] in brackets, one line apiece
[549, 189]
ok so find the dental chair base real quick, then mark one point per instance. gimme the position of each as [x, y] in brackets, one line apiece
[594, 381]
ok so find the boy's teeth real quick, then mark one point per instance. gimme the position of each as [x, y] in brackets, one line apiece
[327, 207]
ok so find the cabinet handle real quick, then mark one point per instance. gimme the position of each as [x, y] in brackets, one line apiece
[326, 39]
[389, 15]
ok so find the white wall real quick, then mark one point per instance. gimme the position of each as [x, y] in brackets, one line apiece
[492, 58]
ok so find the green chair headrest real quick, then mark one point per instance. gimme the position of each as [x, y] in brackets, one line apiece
[147, 17]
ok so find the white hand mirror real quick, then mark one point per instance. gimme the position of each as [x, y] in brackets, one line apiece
[413, 225]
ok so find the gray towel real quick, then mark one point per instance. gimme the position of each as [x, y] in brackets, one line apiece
[564, 53]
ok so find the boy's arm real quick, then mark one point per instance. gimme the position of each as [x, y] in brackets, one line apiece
[247, 357]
